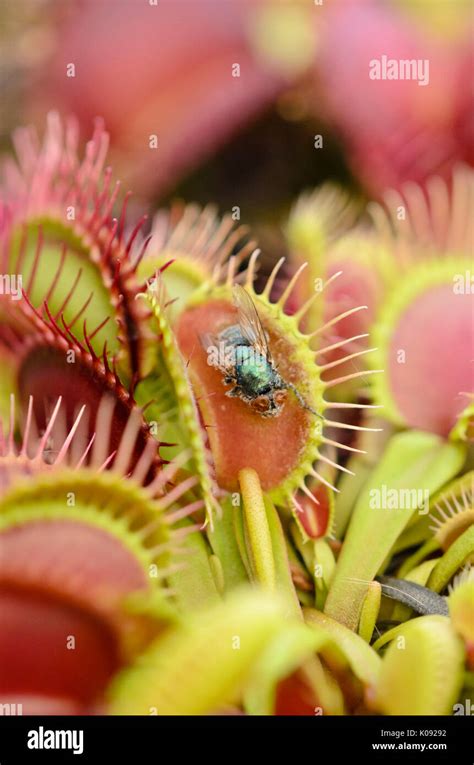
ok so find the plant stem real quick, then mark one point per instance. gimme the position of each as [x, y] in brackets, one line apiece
[257, 527]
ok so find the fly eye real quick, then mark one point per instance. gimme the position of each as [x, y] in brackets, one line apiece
[280, 397]
[261, 404]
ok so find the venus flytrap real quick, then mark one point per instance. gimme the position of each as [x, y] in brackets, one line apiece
[422, 671]
[315, 520]
[452, 510]
[459, 554]
[415, 343]
[323, 229]
[85, 553]
[181, 422]
[452, 519]
[238, 435]
[199, 244]
[51, 363]
[461, 610]
[276, 603]
[411, 460]
[316, 220]
[55, 269]
[195, 584]
[61, 230]
[407, 354]
[363, 263]
[464, 427]
[279, 682]
[362, 660]
[417, 533]
[204, 663]
[451, 513]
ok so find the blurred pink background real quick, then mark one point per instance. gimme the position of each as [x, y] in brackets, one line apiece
[167, 70]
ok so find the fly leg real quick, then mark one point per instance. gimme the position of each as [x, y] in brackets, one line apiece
[235, 392]
[301, 400]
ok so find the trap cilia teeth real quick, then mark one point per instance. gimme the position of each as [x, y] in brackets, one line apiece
[188, 247]
[284, 448]
[198, 242]
[59, 233]
[316, 221]
[85, 553]
[422, 243]
[453, 511]
[168, 397]
[47, 361]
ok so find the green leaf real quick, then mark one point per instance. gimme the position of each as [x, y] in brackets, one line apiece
[284, 581]
[370, 611]
[460, 552]
[223, 541]
[412, 461]
[283, 656]
[202, 664]
[422, 671]
[257, 528]
[194, 584]
[362, 659]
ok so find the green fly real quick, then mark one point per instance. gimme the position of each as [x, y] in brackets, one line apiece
[242, 355]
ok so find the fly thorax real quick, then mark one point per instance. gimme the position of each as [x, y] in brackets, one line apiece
[252, 368]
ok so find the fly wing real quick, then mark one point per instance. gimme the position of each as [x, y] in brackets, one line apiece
[249, 321]
[210, 343]
[207, 340]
